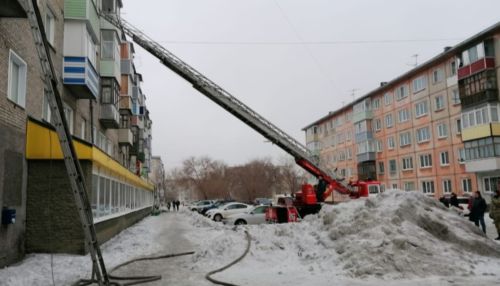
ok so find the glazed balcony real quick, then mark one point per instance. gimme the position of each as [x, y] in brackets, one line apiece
[109, 118]
[364, 136]
[125, 104]
[83, 10]
[362, 115]
[367, 156]
[475, 67]
[125, 137]
[80, 76]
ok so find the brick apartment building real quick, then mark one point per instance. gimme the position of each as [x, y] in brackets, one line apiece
[433, 129]
[107, 116]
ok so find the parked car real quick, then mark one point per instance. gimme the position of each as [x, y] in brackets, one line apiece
[226, 210]
[262, 201]
[216, 204]
[255, 215]
[197, 206]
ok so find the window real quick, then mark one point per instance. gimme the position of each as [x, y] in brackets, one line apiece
[442, 130]
[402, 92]
[46, 111]
[68, 113]
[437, 76]
[50, 26]
[16, 90]
[376, 103]
[390, 143]
[439, 102]
[423, 135]
[109, 91]
[403, 115]
[379, 146]
[425, 161]
[83, 128]
[349, 153]
[409, 186]
[491, 184]
[444, 158]
[392, 166]
[388, 120]
[387, 98]
[467, 185]
[455, 97]
[428, 187]
[381, 169]
[378, 125]
[407, 163]
[453, 68]
[447, 186]
[421, 109]
[479, 116]
[404, 139]
[110, 6]
[110, 50]
[482, 148]
[461, 156]
[419, 84]
[459, 126]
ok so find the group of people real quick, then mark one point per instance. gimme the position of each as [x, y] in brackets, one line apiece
[174, 204]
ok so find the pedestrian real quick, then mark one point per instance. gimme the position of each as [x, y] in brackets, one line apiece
[477, 210]
[444, 201]
[168, 206]
[495, 210]
[454, 200]
[177, 203]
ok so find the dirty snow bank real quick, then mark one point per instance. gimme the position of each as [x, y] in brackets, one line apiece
[396, 235]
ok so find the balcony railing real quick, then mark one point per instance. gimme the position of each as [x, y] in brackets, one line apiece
[364, 136]
[110, 118]
[488, 95]
[368, 156]
[126, 66]
[363, 115]
[81, 77]
[125, 103]
[475, 67]
[125, 137]
[83, 10]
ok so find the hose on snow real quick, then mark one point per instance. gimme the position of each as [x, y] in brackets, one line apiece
[218, 282]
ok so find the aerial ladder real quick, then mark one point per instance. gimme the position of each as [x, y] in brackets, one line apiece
[75, 173]
[329, 182]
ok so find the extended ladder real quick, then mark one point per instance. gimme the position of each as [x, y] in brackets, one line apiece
[75, 174]
[302, 155]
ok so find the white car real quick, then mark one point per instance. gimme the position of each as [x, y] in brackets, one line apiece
[226, 210]
[255, 215]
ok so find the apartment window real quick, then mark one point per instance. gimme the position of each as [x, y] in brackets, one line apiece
[110, 50]
[16, 90]
[425, 161]
[379, 146]
[419, 83]
[467, 185]
[110, 91]
[376, 103]
[444, 158]
[428, 187]
[348, 135]
[491, 184]
[381, 169]
[83, 128]
[388, 120]
[403, 115]
[68, 113]
[349, 154]
[50, 26]
[111, 7]
[439, 102]
[407, 163]
[479, 116]
[494, 113]
[461, 155]
[378, 125]
[447, 186]
[404, 139]
[455, 97]
[387, 98]
[46, 111]
[458, 123]
[409, 186]
[390, 143]
[423, 135]
[402, 92]
[437, 76]
[392, 166]
[421, 109]
[482, 148]
[453, 68]
[442, 130]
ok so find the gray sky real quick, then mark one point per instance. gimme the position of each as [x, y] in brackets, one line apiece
[292, 61]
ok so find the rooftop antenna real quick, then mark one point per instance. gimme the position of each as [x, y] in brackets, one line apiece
[353, 93]
[416, 60]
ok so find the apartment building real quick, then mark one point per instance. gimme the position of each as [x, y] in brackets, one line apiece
[432, 129]
[101, 92]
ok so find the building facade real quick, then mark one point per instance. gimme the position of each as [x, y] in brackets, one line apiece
[104, 107]
[432, 129]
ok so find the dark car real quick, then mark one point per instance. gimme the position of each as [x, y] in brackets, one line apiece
[216, 204]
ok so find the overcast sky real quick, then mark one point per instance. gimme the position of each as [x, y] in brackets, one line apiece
[292, 61]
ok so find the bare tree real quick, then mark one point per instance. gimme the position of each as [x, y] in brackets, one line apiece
[291, 176]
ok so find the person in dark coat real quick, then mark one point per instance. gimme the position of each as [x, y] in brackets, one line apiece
[177, 203]
[454, 200]
[477, 210]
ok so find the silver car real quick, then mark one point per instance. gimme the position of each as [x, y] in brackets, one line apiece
[256, 215]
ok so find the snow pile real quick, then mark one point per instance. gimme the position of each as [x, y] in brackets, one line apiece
[197, 219]
[396, 235]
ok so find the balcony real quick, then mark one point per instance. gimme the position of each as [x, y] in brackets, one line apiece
[475, 67]
[110, 118]
[137, 120]
[11, 9]
[364, 136]
[80, 77]
[127, 67]
[488, 95]
[125, 104]
[363, 115]
[483, 165]
[367, 156]
[83, 10]
[125, 137]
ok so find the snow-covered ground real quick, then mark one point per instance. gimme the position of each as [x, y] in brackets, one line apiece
[397, 238]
